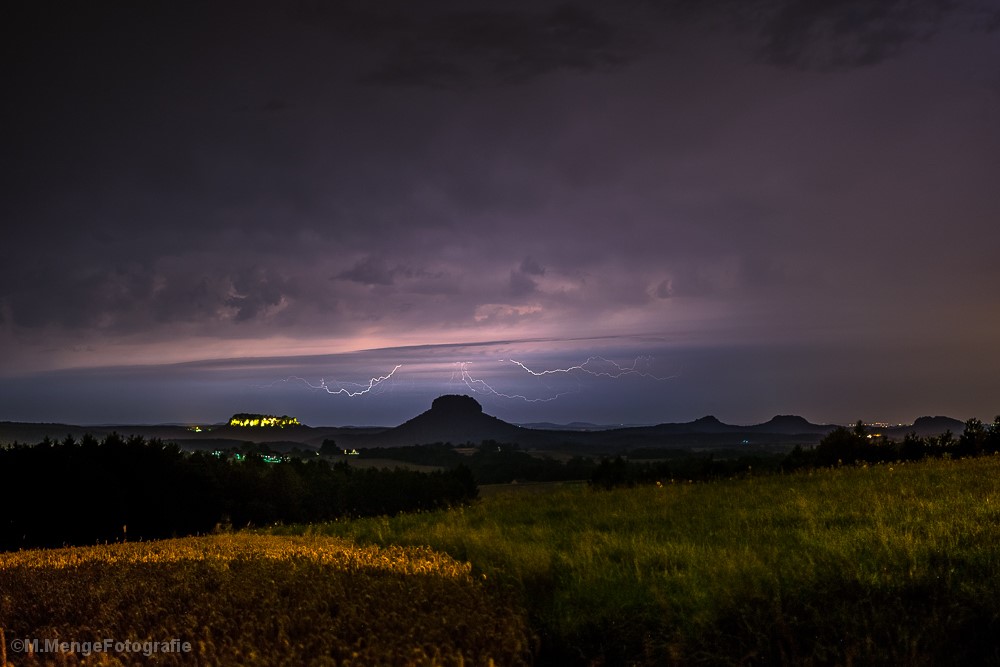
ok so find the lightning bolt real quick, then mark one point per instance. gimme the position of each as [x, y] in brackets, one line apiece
[614, 372]
[598, 367]
[341, 390]
[479, 385]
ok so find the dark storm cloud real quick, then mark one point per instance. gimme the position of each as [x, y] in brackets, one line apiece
[847, 33]
[522, 279]
[76, 297]
[529, 266]
[370, 271]
[255, 293]
[521, 284]
[458, 45]
[832, 34]
[274, 104]
[129, 297]
[202, 180]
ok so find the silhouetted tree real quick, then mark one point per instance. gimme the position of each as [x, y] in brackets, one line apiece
[842, 446]
[973, 439]
[946, 440]
[993, 436]
[913, 448]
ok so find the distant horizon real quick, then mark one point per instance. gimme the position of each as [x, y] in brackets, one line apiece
[625, 380]
[602, 425]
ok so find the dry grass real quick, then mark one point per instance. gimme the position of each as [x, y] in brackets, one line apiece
[258, 600]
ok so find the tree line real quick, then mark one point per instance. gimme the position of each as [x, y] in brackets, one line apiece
[83, 492]
[842, 446]
[87, 491]
[846, 446]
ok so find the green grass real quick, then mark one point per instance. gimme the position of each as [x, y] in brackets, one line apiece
[886, 564]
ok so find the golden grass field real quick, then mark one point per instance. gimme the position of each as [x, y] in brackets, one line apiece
[257, 600]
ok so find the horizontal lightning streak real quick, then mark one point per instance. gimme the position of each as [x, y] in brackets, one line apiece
[372, 383]
[615, 372]
[598, 367]
[472, 383]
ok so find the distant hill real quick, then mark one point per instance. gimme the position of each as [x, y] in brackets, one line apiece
[708, 424]
[927, 426]
[452, 418]
[791, 425]
[783, 424]
[460, 419]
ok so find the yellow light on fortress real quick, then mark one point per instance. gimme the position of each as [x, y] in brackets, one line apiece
[263, 421]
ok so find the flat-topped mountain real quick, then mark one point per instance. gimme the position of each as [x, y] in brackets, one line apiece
[452, 418]
[454, 404]
[792, 425]
[928, 426]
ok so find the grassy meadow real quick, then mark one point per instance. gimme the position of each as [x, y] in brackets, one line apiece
[885, 564]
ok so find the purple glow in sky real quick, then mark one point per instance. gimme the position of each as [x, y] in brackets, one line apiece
[777, 206]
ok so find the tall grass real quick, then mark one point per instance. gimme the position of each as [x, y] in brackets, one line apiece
[883, 564]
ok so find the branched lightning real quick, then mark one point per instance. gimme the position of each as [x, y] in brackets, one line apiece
[479, 385]
[341, 390]
[598, 367]
[614, 372]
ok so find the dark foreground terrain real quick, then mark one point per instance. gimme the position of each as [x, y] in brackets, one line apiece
[866, 564]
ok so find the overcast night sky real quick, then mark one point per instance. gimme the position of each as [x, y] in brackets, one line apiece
[743, 207]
